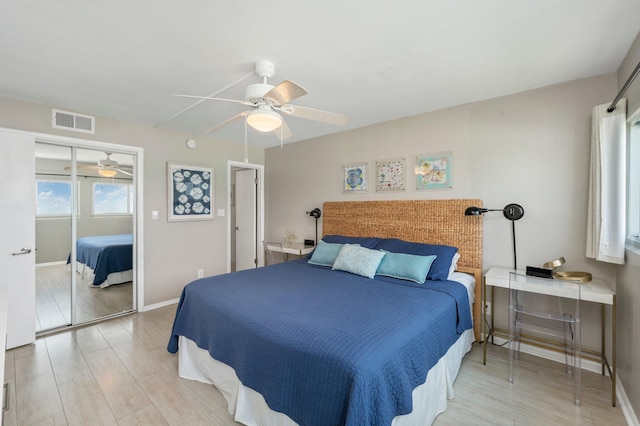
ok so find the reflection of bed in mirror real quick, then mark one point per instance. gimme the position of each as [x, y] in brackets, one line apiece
[105, 260]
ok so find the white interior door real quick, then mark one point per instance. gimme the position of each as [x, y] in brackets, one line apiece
[246, 229]
[17, 245]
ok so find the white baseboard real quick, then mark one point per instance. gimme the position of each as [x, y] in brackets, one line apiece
[588, 365]
[625, 404]
[59, 262]
[159, 305]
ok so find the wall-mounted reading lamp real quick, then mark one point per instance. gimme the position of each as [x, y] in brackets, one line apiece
[316, 213]
[512, 212]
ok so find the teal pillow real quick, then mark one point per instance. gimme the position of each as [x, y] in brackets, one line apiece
[325, 253]
[358, 260]
[406, 266]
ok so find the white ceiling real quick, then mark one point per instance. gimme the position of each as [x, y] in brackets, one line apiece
[371, 60]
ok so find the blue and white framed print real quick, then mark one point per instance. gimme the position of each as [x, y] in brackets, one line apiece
[190, 192]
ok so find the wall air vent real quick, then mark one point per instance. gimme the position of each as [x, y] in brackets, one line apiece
[72, 121]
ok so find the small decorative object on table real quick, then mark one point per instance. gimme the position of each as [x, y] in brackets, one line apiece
[582, 277]
[289, 238]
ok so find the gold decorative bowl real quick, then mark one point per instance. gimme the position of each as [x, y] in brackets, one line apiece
[582, 277]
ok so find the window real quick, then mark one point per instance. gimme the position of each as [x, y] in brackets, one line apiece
[112, 199]
[633, 184]
[53, 198]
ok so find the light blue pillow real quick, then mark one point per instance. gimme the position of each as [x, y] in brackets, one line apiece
[358, 260]
[325, 253]
[439, 270]
[406, 266]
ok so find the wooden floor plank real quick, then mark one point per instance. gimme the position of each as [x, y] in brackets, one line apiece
[121, 390]
[120, 371]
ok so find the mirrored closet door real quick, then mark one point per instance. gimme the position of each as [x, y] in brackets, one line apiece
[84, 261]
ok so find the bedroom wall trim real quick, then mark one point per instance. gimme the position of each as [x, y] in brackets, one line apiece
[159, 305]
[138, 231]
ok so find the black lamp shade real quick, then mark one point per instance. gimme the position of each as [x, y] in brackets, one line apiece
[315, 213]
[474, 211]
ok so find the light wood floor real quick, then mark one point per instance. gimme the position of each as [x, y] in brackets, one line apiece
[53, 298]
[119, 372]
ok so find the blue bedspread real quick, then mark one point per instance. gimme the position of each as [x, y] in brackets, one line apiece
[106, 254]
[324, 347]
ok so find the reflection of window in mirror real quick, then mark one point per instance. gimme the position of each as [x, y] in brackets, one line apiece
[112, 199]
[53, 198]
[633, 181]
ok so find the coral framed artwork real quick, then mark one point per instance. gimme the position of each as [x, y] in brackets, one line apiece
[434, 171]
[190, 192]
[354, 177]
[390, 175]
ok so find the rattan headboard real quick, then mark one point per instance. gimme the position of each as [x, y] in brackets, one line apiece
[428, 221]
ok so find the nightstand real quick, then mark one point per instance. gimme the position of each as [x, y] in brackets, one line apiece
[596, 291]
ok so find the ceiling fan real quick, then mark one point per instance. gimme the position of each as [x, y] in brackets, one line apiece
[105, 168]
[269, 105]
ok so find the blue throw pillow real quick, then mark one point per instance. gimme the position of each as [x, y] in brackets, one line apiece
[405, 266]
[325, 254]
[358, 260]
[341, 239]
[439, 269]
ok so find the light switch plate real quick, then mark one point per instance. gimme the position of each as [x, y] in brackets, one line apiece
[221, 212]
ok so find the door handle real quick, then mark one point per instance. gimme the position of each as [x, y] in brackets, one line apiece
[237, 228]
[25, 250]
[5, 401]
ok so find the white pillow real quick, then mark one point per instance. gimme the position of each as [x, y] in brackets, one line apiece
[358, 260]
[454, 265]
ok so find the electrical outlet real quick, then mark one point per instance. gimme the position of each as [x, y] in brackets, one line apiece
[200, 273]
[487, 307]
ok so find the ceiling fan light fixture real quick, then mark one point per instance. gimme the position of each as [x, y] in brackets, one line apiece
[107, 173]
[264, 120]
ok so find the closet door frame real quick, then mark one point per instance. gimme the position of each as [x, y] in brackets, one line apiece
[138, 215]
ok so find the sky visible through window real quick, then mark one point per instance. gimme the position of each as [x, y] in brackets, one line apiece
[112, 198]
[54, 198]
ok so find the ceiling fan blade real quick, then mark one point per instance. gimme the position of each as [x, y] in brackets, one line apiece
[284, 92]
[84, 167]
[124, 172]
[215, 99]
[283, 132]
[315, 114]
[227, 121]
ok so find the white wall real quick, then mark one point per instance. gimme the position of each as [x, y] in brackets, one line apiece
[173, 251]
[530, 148]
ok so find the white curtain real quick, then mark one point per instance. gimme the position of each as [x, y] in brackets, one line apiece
[606, 210]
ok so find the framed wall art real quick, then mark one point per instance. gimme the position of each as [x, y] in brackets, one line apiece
[354, 177]
[434, 171]
[390, 175]
[190, 192]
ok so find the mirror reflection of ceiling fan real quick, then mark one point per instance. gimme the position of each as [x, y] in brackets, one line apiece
[105, 168]
[269, 105]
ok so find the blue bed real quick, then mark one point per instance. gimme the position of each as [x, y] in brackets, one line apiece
[324, 347]
[105, 255]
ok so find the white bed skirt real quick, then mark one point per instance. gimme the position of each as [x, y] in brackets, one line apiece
[249, 407]
[112, 278]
